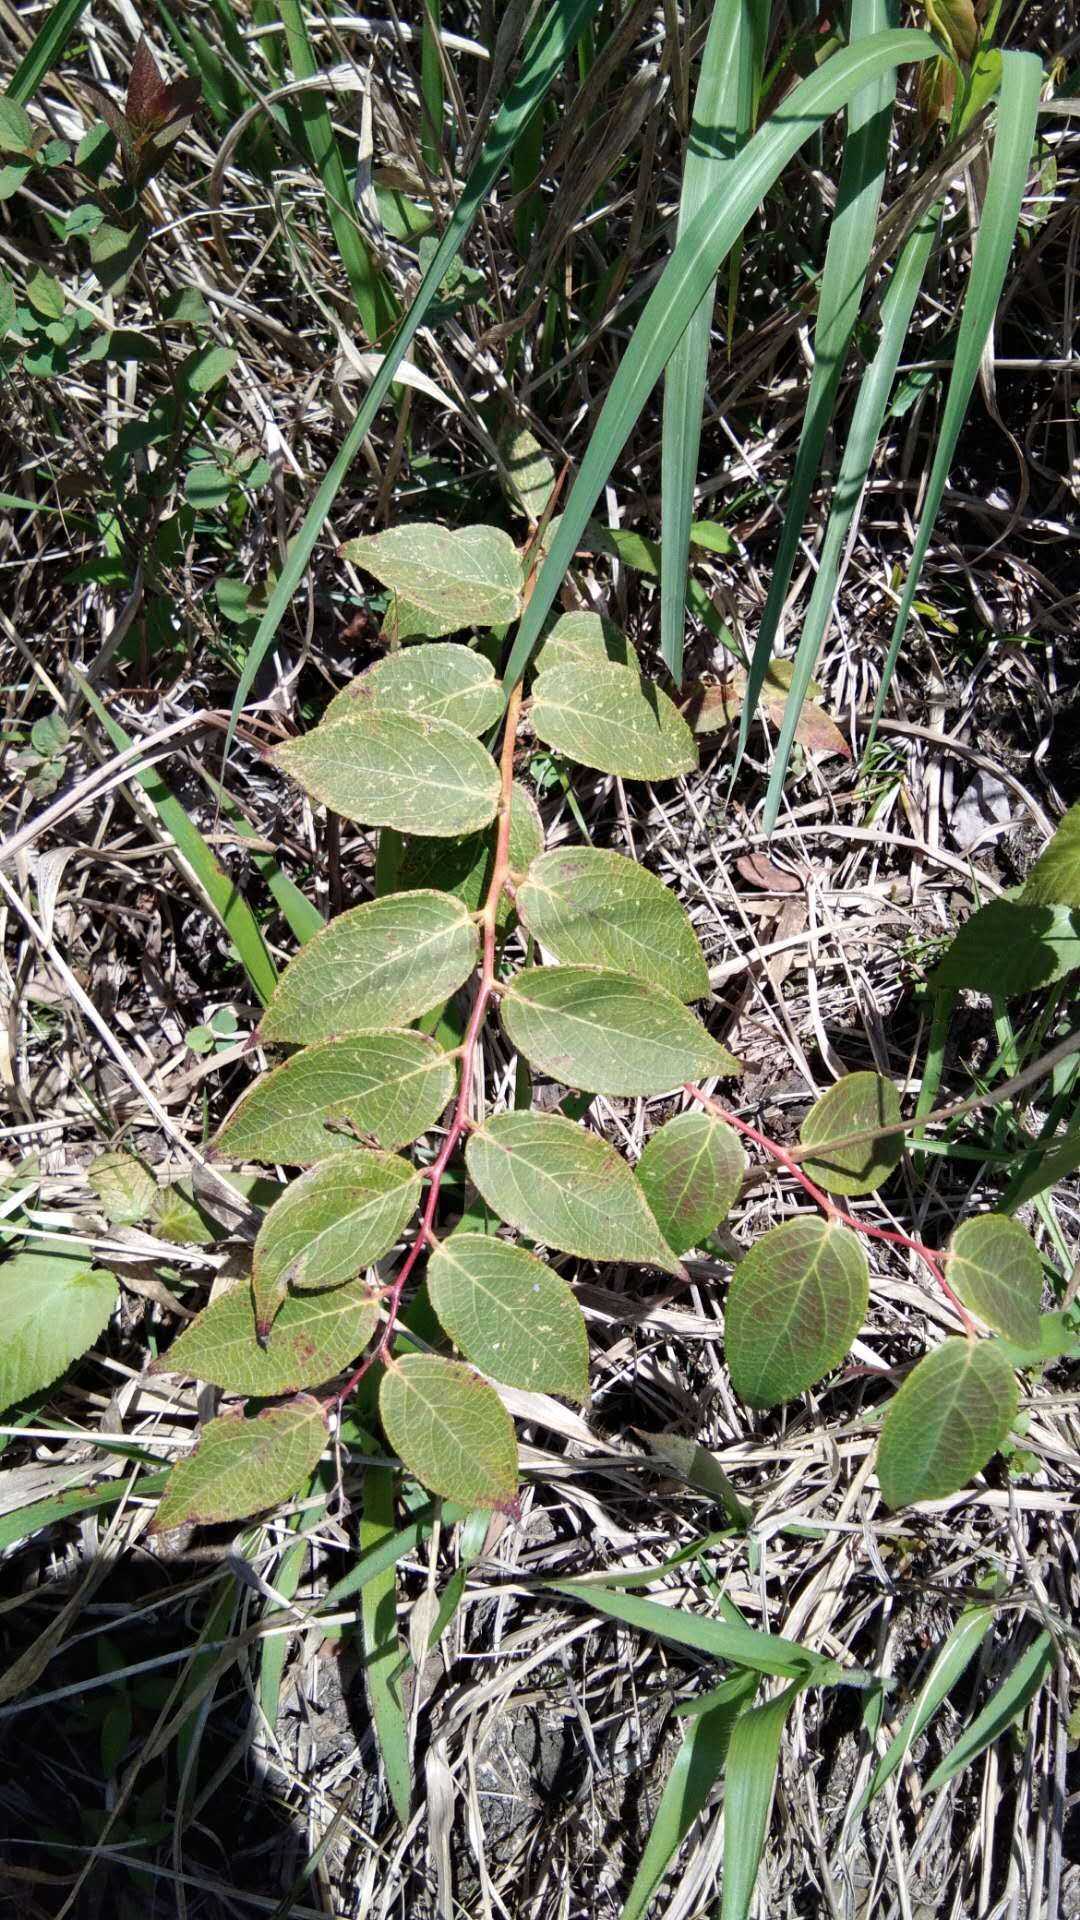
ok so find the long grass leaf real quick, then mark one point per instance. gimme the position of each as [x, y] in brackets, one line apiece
[723, 110]
[1021, 81]
[749, 1784]
[742, 1646]
[554, 38]
[1017, 1690]
[740, 186]
[44, 51]
[303, 919]
[382, 1648]
[958, 1650]
[847, 257]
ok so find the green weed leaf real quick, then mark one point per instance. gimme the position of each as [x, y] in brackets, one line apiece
[441, 682]
[597, 909]
[1054, 880]
[126, 1190]
[53, 1306]
[510, 1314]
[1008, 947]
[389, 769]
[16, 128]
[950, 1416]
[384, 962]
[314, 1337]
[392, 1086]
[691, 1172]
[242, 1466]
[607, 717]
[204, 369]
[331, 1224]
[449, 577]
[581, 638]
[567, 1188]
[994, 1265]
[608, 1032]
[796, 1303]
[857, 1103]
[450, 1429]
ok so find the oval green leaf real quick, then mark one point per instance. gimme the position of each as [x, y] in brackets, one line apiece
[1054, 880]
[994, 1265]
[376, 965]
[596, 909]
[510, 1314]
[1007, 948]
[948, 1419]
[330, 1224]
[584, 637]
[315, 1336]
[608, 717]
[445, 683]
[858, 1103]
[608, 1032]
[389, 769]
[53, 1306]
[796, 1303]
[392, 1086]
[450, 577]
[243, 1466]
[450, 1429]
[567, 1188]
[691, 1171]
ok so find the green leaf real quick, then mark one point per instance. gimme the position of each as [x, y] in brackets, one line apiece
[386, 961]
[452, 577]
[795, 1304]
[114, 252]
[1017, 1690]
[950, 1416]
[331, 1224]
[858, 1103]
[994, 1265]
[1058, 1339]
[567, 1188]
[582, 639]
[1054, 880]
[16, 128]
[7, 306]
[463, 867]
[691, 1172]
[125, 1188]
[205, 369]
[206, 485]
[178, 1220]
[388, 769]
[608, 1032]
[53, 1306]
[609, 718]
[1007, 948]
[314, 1337]
[45, 294]
[382, 1646]
[727, 1640]
[510, 1314]
[955, 21]
[450, 1429]
[391, 1085]
[242, 1466]
[591, 908]
[48, 43]
[949, 1664]
[753, 1764]
[442, 683]
[530, 472]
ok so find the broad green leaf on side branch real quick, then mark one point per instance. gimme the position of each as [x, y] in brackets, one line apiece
[949, 1418]
[567, 1188]
[609, 718]
[796, 1302]
[389, 769]
[608, 1032]
[330, 1224]
[450, 577]
[391, 1085]
[858, 1103]
[443, 683]
[314, 1337]
[241, 1467]
[595, 909]
[450, 1429]
[691, 1171]
[510, 1314]
[53, 1306]
[1008, 947]
[1054, 880]
[376, 965]
[994, 1265]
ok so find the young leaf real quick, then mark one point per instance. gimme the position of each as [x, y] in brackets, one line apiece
[1054, 880]
[204, 369]
[608, 717]
[16, 128]
[452, 577]
[463, 867]
[796, 1303]
[125, 1188]
[53, 1306]
[994, 1265]
[242, 1466]
[510, 1314]
[391, 1085]
[331, 1224]
[950, 1416]
[857, 1103]
[691, 1171]
[528, 469]
[389, 769]
[567, 1188]
[442, 683]
[1007, 947]
[314, 1337]
[450, 1429]
[1016, 1691]
[608, 1032]
[384, 962]
[597, 909]
[584, 637]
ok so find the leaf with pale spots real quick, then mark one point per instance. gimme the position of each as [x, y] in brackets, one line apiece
[691, 1171]
[608, 1032]
[859, 1103]
[331, 1224]
[949, 1418]
[376, 965]
[795, 1304]
[390, 1085]
[315, 1336]
[452, 577]
[510, 1314]
[450, 1429]
[607, 717]
[596, 909]
[585, 637]
[443, 682]
[241, 1467]
[389, 769]
[994, 1266]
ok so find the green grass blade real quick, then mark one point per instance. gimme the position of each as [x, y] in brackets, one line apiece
[743, 1646]
[44, 52]
[1021, 81]
[221, 892]
[723, 115]
[896, 311]
[698, 1764]
[431, 87]
[847, 257]
[1017, 1690]
[374, 302]
[741, 184]
[303, 919]
[958, 1650]
[382, 1649]
[285, 1581]
[749, 1783]
[554, 38]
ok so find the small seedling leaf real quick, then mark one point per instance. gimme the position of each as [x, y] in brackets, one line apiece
[126, 1190]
